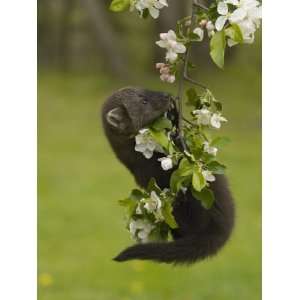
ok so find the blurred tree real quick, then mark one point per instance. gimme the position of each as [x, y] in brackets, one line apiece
[84, 34]
[67, 7]
[106, 36]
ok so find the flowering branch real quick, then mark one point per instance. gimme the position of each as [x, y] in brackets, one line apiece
[194, 162]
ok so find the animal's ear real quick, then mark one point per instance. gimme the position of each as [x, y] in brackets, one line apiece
[117, 118]
[134, 112]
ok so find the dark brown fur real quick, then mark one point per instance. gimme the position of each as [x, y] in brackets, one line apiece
[201, 232]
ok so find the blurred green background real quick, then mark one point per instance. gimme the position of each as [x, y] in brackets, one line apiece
[80, 225]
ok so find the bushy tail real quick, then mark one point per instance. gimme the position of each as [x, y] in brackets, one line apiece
[182, 251]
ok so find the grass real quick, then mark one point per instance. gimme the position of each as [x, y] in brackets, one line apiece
[80, 223]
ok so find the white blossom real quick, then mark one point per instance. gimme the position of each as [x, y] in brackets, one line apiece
[216, 120]
[200, 32]
[140, 229]
[208, 175]
[203, 116]
[153, 203]
[209, 149]
[247, 15]
[152, 5]
[224, 15]
[166, 163]
[145, 144]
[165, 72]
[169, 41]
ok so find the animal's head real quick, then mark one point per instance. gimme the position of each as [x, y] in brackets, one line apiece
[130, 109]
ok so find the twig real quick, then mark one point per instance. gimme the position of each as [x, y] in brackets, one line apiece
[180, 106]
[200, 5]
[188, 121]
[185, 77]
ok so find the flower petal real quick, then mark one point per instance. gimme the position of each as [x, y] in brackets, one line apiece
[171, 78]
[151, 145]
[171, 56]
[222, 8]
[200, 32]
[220, 22]
[233, 2]
[154, 12]
[163, 2]
[140, 147]
[238, 15]
[162, 44]
[179, 48]
[171, 35]
[148, 154]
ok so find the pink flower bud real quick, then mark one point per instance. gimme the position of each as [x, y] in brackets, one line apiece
[165, 70]
[159, 65]
[164, 77]
[171, 78]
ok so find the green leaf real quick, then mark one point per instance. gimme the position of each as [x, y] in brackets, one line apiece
[162, 123]
[198, 180]
[218, 105]
[185, 168]
[125, 202]
[168, 215]
[119, 5]
[152, 186]
[216, 167]
[194, 37]
[220, 142]
[217, 48]
[145, 13]
[207, 158]
[130, 204]
[171, 148]
[137, 195]
[234, 32]
[191, 65]
[160, 137]
[159, 233]
[206, 196]
[182, 176]
[177, 181]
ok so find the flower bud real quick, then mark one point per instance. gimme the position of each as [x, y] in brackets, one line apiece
[203, 23]
[171, 78]
[166, 163]
[165, 70]
[159, 65]
[210, 26]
